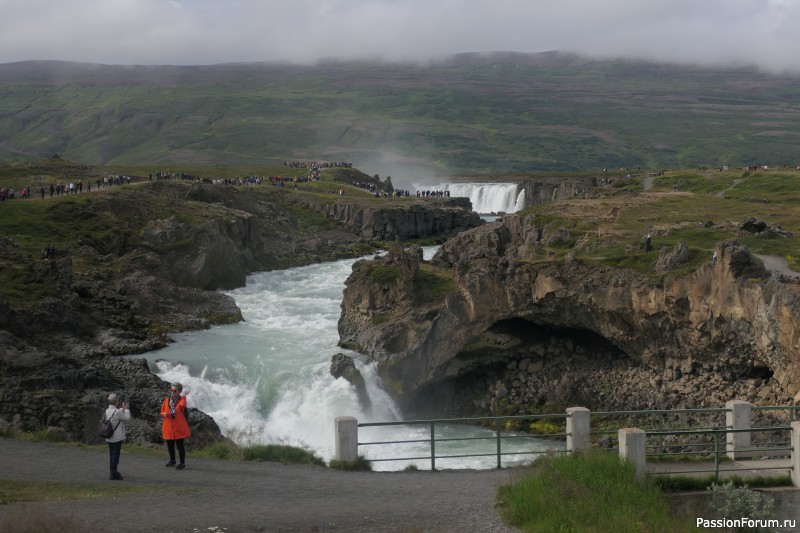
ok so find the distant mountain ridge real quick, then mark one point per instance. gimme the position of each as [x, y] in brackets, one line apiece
[473, 114]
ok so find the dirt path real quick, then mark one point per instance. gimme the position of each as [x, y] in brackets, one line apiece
[773, 263]
[267, 497]
[721, 194]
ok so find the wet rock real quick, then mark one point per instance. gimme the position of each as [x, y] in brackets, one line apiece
[343, 366]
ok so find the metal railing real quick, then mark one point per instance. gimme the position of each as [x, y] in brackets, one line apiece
[501, 435]
[719, 451]
[655, 426]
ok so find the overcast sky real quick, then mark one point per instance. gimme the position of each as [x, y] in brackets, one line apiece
[763, 33]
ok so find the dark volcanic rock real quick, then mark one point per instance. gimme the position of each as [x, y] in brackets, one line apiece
[504, 308]
[343, 366]
[120, 292]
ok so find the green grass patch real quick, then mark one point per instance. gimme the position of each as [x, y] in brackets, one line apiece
[384, 274]
[431, 284]
[277, 453]
[310, 220]
[280, 453]
[15, 491]
[593, 492]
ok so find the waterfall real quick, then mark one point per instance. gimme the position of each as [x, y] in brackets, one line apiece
[485, 197]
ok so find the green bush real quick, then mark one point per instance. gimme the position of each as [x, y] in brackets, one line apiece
[361, 463]
[227, 450]
[281, 453]
[545, 427]
[730, 501]
[382, 274]
[587, 492]
[278, 453]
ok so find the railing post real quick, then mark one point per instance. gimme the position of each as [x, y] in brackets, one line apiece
[500, 424]
[738, 417]
[346, 439]
[716, 456]
[796, 453]
[578, 429]
[632, 447]
[433, 447]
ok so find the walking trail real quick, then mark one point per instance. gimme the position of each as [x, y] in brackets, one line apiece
[265, 497]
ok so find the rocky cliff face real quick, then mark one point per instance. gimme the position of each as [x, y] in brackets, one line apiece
[158, 275]
[436, 216]
[543, 190]
[553, 334]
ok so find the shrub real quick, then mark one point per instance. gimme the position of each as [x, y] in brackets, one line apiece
[277, 453]
[281, 453]
[730, 500]
[223, 450]
[384, 275]
[359, 464]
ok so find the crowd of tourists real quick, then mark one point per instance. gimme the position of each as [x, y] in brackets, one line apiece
[318, 164]
[433, 194]
[62, 188]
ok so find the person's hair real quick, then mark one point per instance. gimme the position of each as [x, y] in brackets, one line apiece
[113, 399]
[177, 386]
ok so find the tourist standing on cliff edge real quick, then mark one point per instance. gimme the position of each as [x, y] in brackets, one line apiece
[175, 427]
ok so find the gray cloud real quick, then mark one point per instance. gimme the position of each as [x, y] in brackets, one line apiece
[707, 32]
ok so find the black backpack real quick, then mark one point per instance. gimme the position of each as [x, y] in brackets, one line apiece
[107, 428]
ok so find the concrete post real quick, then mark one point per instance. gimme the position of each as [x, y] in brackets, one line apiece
[738, 417]
[632, 447]
[578, 429]
[346, 439]
[796, 453]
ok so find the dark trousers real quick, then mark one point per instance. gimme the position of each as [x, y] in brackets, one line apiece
[114, 450]
[181, 450]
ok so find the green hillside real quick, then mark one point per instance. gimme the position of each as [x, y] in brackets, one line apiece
[472, 115]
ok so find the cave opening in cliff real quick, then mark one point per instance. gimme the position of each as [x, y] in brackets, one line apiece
[523, 362]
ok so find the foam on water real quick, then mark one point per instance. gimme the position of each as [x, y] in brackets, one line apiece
[267, 380]
[485, 197]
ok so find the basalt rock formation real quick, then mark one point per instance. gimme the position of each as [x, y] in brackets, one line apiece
[511, 331]
[544, 190]
[434, 217]
[120, 293]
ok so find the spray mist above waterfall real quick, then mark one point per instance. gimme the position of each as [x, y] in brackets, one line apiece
[485, 197]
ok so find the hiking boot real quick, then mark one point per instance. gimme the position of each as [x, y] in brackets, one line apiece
[180, 466]
[171, 463]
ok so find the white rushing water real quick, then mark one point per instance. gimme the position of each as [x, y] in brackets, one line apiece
[267, 380]
[485, 197]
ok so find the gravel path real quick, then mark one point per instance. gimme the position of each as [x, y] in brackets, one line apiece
[268, 497]
[778, 264]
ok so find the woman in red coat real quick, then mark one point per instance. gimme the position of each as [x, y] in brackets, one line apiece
[175, 427]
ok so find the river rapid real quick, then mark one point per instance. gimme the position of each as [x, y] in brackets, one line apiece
[267, 379]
